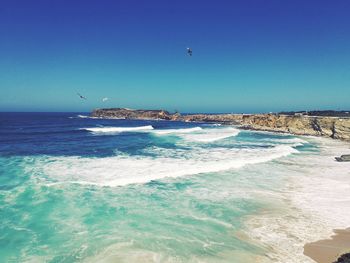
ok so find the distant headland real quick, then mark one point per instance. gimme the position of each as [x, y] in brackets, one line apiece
[332, 124]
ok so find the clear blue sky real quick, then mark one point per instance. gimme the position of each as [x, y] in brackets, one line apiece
[248, 55]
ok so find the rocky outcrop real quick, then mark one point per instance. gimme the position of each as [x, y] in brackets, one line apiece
[324, 113]
[343, 158]
[222, 118]
[300, 125]
[121, 113]
[345, 258]
[333, 127]
[342, 129]
[326, 126]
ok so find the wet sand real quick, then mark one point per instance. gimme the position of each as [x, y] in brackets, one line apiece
[328, 250]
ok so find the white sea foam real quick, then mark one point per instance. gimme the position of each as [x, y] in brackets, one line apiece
[211, 135]
[117, 129]
[314, 200]
[80, 117]
[123, 170]
[200, 135]
[196, 134]
[292, 141]
[177, 131]
[83, 116]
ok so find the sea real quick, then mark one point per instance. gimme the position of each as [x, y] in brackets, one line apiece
[80, 189]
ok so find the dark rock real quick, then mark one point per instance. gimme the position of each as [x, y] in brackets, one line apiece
[316, 126]
[345, 258]
[324, 113]
[343, 158]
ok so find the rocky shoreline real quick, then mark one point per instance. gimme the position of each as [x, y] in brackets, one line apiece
[299, 124]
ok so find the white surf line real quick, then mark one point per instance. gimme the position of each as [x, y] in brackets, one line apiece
[117, 129]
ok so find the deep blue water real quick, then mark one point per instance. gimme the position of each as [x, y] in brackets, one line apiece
[60, 134]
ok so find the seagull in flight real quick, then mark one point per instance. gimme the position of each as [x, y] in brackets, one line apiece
[81, 96]
[189, 52]
[105, 99]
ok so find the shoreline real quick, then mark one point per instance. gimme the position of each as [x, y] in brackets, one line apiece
[311, 204]
[329, 250]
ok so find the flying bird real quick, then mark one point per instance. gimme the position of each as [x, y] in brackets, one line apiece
[105, 99]
[81, 96]
[189, 52]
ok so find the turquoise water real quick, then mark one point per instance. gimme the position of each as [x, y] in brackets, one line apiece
[74, 189]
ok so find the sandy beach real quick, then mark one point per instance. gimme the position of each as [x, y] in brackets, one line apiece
[329, 250]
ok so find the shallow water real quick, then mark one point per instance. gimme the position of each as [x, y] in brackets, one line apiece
[74, 188]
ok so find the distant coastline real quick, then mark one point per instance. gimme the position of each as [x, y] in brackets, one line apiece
[331, 124]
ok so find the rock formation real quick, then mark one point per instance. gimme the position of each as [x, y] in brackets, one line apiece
[121, 113]
[343, 158]
[345, 258]
[326, 126]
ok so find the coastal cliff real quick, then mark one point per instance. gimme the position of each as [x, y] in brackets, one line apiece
[326, 126]
[333, 127]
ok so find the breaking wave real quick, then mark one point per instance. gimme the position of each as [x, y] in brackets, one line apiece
[117, 129]
[200, 135]
[211, 135]
[123, 170]
[80, 117]
[83, 116]
[196, 134]
[176, 131]
[294, 141]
